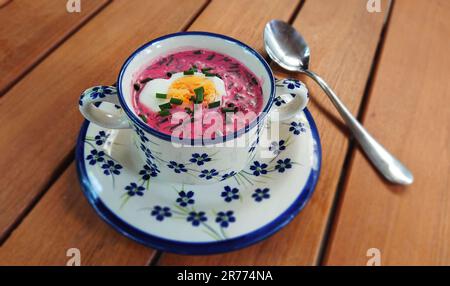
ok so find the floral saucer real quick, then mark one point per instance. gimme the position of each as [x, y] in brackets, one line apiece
[236, 211]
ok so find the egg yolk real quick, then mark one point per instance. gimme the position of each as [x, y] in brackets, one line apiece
[183, 88]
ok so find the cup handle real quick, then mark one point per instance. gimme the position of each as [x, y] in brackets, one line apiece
[291, 96]
[100, 117]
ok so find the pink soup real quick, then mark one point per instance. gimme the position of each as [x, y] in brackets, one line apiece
[207, 83]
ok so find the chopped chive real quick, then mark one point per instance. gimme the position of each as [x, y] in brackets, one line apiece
[142, 116]
[230, 104]
[145, 80]
[164, 112]
[176, 101]
[166, 105]
[136, 87]
[188, 72]
[199, 94]
[229, 109]
[206, 69]
[214, 104]
[161, 95]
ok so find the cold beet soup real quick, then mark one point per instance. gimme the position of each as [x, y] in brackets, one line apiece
[197, 94]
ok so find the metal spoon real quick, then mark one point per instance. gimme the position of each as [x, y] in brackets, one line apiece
[286, 47]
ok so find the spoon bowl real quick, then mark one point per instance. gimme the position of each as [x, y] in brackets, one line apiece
[286, 46]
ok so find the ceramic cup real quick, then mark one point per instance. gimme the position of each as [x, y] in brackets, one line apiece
[198, 161]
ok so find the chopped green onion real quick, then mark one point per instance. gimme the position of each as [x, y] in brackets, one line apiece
[166, 105]
[205, 70]
[229, 109]
[214, 104]
[199, 94]
[164, 112]
[188, 72]
[142, 116]
[161, 95]
[176, 101]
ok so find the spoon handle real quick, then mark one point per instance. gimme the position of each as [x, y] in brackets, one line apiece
[392, 169]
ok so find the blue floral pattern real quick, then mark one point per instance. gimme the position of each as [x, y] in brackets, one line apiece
[141, 134]
[208, 174]
[200, 159]
[279, 101]
[277, 147]
[133, 189]
[95, 156]
[177, 168]
[101, 138]
[148, 153]
[195, 218]
[185, 198]
[261, 194]
[258, 168]
[225, 218]
[297, 128]
[292, 83]
[149, 170]
[100, 92]
[110, 167]
[228, 175]
[229, 194]
[282, 165]
[161, 212]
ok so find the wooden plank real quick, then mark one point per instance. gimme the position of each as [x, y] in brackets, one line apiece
[62, 220]
[39, 115]
[343, 37]
[408, 111]
[243, 19]
[29, 30]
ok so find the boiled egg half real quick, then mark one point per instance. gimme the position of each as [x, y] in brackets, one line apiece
[181, 86]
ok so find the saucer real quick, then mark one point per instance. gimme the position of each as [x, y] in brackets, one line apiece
[234, 212]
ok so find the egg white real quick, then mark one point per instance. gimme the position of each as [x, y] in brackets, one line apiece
[159, 85]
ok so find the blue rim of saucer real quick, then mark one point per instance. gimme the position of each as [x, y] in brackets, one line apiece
[197, 142]
[198, 248]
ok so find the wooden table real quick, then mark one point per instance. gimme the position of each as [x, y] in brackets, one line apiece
[390, 67]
